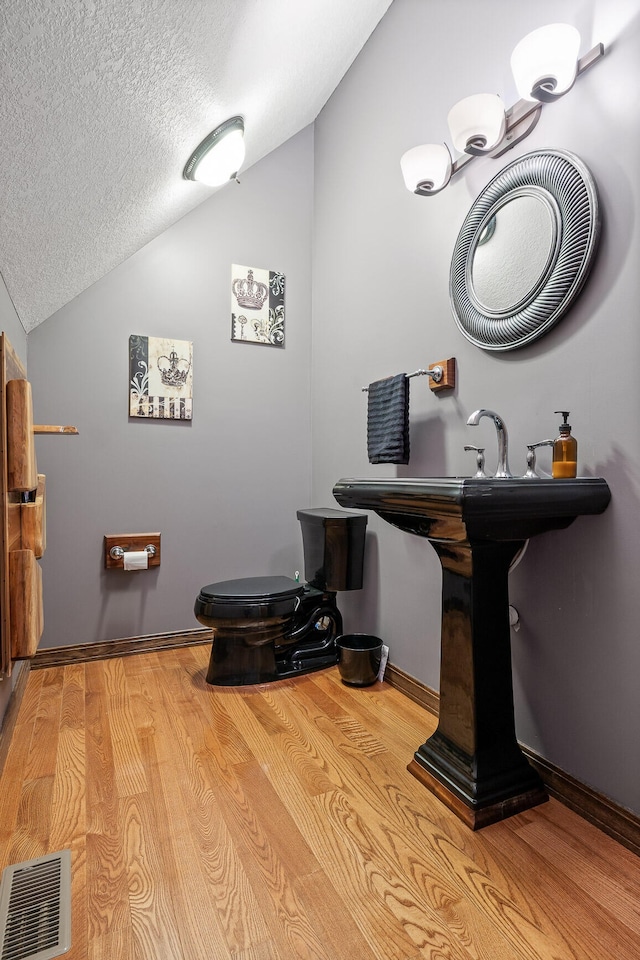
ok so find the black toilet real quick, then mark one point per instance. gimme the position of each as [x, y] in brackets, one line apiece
[269, 628]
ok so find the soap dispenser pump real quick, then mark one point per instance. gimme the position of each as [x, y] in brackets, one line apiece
[565, 451]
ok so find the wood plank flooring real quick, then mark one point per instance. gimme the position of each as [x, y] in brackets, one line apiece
[278, 821]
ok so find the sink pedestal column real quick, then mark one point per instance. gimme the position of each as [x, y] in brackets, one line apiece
[473, 762]
[476, 526]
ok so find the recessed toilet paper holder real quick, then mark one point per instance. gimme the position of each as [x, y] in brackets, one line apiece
[116, 545]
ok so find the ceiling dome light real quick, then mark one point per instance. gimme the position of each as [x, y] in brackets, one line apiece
[477, 123]
[220, 155]
[544, 63]
[426, 169]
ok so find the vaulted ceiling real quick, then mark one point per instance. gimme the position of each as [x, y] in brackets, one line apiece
[103, 101]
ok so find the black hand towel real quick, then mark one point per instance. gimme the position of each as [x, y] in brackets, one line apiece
[388, 420]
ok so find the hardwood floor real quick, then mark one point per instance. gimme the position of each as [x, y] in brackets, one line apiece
[279, 821]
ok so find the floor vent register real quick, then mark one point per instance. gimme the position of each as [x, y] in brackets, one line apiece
[35, 908]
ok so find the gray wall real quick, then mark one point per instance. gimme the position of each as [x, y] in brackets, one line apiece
[381, 267]
[12, 328]
[222, 489]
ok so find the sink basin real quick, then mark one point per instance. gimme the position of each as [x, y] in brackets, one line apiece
[473, 762]
[459, 508]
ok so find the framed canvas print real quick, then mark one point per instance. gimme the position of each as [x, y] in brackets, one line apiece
[160, 378]
[257, 306]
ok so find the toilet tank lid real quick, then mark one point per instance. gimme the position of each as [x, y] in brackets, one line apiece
[320, 514]
[253, 589]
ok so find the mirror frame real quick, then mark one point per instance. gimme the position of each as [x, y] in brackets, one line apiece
[564, 184]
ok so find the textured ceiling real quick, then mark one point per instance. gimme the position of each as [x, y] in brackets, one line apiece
[102, 102]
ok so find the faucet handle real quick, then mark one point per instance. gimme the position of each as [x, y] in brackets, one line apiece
[531, 457]
[479, 474]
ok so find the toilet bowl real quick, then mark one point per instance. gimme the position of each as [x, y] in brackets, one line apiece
[269, 628]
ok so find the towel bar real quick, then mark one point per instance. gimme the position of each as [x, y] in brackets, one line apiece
[442, 375]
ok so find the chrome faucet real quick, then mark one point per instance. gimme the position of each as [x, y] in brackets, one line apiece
[502, 469]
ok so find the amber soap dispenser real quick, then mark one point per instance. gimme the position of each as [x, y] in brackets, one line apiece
[565, 451]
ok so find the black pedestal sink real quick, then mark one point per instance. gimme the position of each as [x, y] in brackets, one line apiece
[476, 526]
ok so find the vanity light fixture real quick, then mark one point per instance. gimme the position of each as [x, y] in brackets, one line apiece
[220, 155]
[545, 65]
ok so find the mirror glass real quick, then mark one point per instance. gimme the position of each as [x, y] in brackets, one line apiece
[524, 250]
[512, 253]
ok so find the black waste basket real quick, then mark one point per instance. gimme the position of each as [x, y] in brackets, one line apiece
[359, 656]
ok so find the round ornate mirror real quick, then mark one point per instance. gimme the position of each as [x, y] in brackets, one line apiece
[524, 250]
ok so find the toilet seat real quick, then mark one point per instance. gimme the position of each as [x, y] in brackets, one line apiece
[251, 597]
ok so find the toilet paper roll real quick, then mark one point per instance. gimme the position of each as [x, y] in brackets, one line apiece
[136, 560]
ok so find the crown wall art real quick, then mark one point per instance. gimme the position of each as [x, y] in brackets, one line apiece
[257, 306]
[160, 378]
